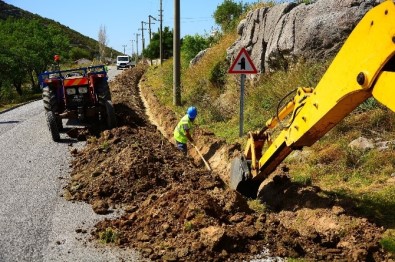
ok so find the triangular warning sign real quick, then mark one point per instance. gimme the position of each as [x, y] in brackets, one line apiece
[243, 64]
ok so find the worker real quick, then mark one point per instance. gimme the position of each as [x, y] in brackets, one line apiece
[182, 132]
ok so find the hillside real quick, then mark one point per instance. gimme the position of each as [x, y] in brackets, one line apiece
[76, 39]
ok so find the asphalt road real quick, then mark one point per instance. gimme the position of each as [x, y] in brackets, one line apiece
[36, 223]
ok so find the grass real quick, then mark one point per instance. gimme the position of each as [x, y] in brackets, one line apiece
[303, 177]
[9, 98]
[388, 241]
[91, 140]
[196, 87]
[257, 206]
[379, 205]
[105, 146]
[188, 226]
[109, 236]
[362, 176]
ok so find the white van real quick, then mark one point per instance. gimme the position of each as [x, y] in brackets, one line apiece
[123, 61]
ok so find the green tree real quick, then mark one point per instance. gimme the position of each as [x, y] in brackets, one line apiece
[227, 14]
[78, 53]
[103, 42]
[192, 45]
[152, 51]
[30, 48]
[12, 64]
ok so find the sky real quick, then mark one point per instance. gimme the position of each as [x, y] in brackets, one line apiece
[122, 18]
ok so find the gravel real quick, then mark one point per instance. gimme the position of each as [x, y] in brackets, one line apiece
[37, 224]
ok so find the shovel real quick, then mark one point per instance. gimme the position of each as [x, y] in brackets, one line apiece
[201, 156]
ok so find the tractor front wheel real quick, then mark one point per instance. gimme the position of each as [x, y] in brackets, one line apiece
[49, 99]
[50, 104]
[52, 125]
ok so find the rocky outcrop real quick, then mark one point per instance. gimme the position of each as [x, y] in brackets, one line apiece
[277, 36]
[363, 143]
[198, 57]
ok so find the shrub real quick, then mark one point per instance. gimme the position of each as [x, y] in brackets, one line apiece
[192, 45]
[109, 236]
[219, 73]
[388, 241]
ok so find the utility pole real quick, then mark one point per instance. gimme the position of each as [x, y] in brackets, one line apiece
[137, 47]
[160, 33]
[176, 54]
[149, 25]
[131, 41]
[149, 29]
[142, 38]
[124, 49]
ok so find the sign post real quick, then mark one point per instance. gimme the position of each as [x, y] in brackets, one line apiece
[241, 121]
[242, 65]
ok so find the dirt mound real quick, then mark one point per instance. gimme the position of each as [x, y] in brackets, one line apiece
[126, 99]
[176, 210]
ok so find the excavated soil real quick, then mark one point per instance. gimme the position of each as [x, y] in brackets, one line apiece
[176, 210]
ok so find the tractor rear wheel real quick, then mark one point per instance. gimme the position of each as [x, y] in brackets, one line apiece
[52, 125]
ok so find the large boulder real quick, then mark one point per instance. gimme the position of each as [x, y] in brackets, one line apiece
[198, 57]
[277, 36]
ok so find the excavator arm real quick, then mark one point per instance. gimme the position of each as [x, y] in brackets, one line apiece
[364, 67]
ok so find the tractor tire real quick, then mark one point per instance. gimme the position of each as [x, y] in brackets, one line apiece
[50, 104]
[49, 99]
[59, 123]
[53, 125]
[103, 90]
[110, 114]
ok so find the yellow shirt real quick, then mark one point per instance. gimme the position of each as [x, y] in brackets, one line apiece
[180, 130]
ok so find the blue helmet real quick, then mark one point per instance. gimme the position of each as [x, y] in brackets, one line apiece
[192, 112]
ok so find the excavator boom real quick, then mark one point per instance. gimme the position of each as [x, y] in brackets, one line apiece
[364, 67]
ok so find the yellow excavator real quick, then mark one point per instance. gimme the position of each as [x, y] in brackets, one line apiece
[364, 67]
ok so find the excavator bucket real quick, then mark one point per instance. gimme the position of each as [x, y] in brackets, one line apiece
[237, 173]
[240, 178]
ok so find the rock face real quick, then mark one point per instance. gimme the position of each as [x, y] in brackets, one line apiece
[277, 36]
[198, 57]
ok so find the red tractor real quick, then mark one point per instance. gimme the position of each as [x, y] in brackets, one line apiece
[81, 93]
